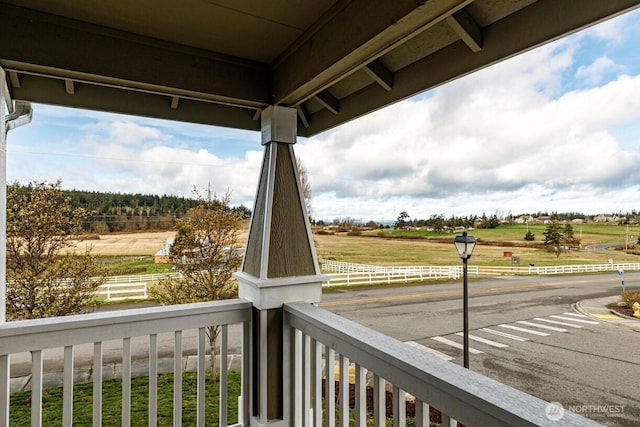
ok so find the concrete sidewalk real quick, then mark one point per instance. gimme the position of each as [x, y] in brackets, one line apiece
[597, 309]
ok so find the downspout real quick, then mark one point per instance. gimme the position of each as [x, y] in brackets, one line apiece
[20, 113]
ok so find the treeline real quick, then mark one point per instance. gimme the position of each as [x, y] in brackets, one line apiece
[117, 212]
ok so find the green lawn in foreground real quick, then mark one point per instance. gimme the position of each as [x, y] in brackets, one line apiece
[20, 410]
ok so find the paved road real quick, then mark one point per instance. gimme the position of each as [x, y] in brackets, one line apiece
[582, 362]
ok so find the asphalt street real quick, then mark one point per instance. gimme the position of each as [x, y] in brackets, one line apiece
[524, 332]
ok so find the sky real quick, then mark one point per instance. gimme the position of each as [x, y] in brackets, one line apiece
[556, 129]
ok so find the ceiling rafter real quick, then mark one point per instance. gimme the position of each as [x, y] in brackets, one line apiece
[175, 100]
[328, 101]
[69, 86]
[14, 78]
[467, 29]
[380, 74]
[303, 115]
[360, 32]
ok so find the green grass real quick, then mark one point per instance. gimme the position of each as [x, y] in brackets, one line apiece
[112, 402]
[420, 247]
[140, 263]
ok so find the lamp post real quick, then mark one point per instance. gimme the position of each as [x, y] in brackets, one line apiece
[464, 245]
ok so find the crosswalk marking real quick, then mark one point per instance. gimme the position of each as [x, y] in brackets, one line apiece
[537, 325]
[591, 322]
[574, 314]
[456, 345]
[429, 350]
[504, 334]
[555, 322]
[527, 331]
[484, 340]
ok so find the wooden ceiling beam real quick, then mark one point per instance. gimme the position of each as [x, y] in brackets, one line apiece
[360, 32]
[467, 29]
[380, 74]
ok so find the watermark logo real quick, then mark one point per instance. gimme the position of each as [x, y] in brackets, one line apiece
[554, 411]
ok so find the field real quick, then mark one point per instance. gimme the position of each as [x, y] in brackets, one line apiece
[414, 247]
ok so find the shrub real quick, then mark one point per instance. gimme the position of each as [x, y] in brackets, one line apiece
[354, 232]
[629, 297]
[529, 236]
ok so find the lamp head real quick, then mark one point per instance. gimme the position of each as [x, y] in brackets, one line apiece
[464, 245]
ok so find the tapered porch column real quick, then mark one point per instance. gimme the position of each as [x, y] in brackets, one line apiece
[280, 266]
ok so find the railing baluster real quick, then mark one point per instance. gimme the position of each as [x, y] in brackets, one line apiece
[126, 382]
[223, 376]
[177, 379]
[379, 402]
[307, 386]
[153, 380]
[298, 361]
[399, 407]
[317, 393]
[202, 374]
[330, 387]
[67, 394]
[5, 389]
[422, 414]
[344, 391]
[97, 384]
[243, 413]
[262, 407]
[361, 397]
[36, 388]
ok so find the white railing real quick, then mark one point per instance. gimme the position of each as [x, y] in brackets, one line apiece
[91, 338]
[123, 291]
[322, 339]
[436, 272]
[351, 274]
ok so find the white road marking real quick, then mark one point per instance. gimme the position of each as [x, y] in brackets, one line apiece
[574, 314]
[555, 322]
[527, 331]
[537, 325]
[429, 350]
[484, 340]
[456, 345]
[504, 334]
[591, 322]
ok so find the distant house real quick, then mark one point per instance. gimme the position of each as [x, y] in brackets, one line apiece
[162, 256]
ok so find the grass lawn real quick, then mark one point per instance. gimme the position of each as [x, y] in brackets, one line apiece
[125, 265]
[415, 247]
[20, 409]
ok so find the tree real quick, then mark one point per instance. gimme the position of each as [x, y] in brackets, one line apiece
[306, 186]
[553, 236]
[207, 253]
[401, 222]
[529, 236]
[45, 276]
[568, 235]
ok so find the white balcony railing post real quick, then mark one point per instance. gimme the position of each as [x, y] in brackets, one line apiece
[279, 266]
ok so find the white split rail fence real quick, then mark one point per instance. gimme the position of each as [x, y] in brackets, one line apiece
[351, 274]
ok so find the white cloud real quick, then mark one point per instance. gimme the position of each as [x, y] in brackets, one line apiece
[535, 133]
[596, 72]
[495, 140]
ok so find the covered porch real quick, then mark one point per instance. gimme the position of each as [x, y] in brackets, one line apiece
[286, 70]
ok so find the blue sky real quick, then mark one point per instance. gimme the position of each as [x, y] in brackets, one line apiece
[554, 129]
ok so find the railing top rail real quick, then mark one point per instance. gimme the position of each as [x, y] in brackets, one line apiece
[462, 394]
[26, 335]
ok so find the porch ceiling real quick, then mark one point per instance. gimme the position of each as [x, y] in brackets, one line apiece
[220, 62]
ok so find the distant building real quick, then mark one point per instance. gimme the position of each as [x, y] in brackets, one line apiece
[162, 256]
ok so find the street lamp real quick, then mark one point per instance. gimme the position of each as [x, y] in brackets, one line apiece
[464, 246]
